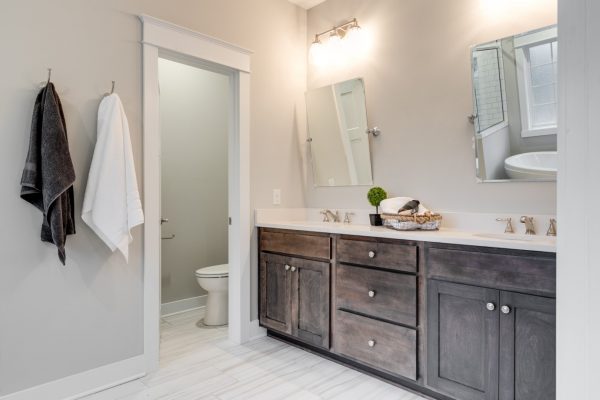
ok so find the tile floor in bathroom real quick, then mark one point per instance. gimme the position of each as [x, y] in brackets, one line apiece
[200, 363]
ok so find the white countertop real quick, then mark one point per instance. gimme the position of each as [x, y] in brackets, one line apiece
[444, 235]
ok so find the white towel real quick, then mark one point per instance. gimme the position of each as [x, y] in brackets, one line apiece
[112, 205]
[392, 205]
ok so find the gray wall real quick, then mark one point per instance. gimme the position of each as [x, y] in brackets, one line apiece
[57, 321]
[194, 112]
[418, 88]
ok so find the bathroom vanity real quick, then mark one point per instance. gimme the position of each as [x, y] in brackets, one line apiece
[449, 320]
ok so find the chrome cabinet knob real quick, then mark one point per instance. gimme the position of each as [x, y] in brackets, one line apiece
[287, 267]
[371, 293]
[371, 343]
[371, 254]
[505, 309]
[293, 269]
[490, 306]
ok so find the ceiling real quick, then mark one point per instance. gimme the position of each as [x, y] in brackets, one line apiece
[307, 3]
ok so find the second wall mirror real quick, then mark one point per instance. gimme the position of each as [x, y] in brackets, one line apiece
[515, 107]
[337, 129]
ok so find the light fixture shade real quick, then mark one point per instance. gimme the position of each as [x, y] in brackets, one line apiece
[343, 43]
[353, 35]
[317, 53]
[335, 50]
[334, 40]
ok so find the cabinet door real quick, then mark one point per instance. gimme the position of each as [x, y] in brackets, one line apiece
[527, 347]
[463, 340]
[310, 301]
[275, 293]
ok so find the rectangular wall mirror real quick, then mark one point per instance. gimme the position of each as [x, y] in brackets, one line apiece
[515, 107]
[337, 129]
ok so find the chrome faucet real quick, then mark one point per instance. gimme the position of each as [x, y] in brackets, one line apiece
[328, 213]
[552, 228]
[529, 226]
[509, 227]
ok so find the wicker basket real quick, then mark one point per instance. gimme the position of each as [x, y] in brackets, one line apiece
[427, 222]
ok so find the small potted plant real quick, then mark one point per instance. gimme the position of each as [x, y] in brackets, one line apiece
[376, 195]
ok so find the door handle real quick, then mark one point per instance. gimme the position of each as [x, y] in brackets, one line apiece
[164, 220]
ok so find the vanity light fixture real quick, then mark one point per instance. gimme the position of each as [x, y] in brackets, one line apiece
[342, 38]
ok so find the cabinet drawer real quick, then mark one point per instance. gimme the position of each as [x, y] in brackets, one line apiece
[298, 244]
[527, 272]
[396, 256]
[382, 294]
[393, 348]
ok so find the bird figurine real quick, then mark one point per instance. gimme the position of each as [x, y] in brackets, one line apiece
[412, 207]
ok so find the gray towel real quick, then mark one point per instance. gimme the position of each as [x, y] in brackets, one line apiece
[48, 176]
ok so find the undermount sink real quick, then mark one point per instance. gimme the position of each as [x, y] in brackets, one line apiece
[510, 236]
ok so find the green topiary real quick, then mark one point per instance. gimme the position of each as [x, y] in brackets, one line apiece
[376, 195]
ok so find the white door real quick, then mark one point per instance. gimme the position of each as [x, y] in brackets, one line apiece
[350, 99]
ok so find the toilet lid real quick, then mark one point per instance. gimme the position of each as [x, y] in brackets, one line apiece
[215, 270]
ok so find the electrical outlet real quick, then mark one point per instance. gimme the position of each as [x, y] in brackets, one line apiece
[276, 197]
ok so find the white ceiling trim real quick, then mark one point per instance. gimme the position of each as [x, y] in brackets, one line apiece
[307, 3]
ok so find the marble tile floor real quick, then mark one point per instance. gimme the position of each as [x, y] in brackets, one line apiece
[199, 363]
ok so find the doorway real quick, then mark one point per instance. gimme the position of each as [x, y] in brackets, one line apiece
[162, 39]
[194, 118]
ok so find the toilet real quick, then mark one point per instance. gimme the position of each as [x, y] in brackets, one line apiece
[215, 280]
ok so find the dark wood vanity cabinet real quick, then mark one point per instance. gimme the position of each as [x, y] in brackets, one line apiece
[450, 321]
[275, 293]
[294, 291]
[463, 340]
[527, 348]
[485, 343]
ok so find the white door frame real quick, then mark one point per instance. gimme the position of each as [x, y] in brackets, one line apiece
[578, 272]
[161, 37]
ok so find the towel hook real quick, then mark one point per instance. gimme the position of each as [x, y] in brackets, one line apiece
[49, 75]
[112, 90]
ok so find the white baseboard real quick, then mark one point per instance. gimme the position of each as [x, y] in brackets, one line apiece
[256, 331]
[85, 383]
[179, 306]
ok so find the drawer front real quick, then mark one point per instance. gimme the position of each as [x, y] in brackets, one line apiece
[395, 256]
[393, 348]
[382, 294]
[522, 273]
[298, 244]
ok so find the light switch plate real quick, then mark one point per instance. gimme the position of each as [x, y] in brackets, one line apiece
[276, 197]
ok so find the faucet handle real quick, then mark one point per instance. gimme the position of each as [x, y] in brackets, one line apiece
[529, 226]
[552, 228]
[509, 227]
[336, 216]
[325, 217]
[347, 218]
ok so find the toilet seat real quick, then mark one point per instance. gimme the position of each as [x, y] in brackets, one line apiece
[215, 271]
